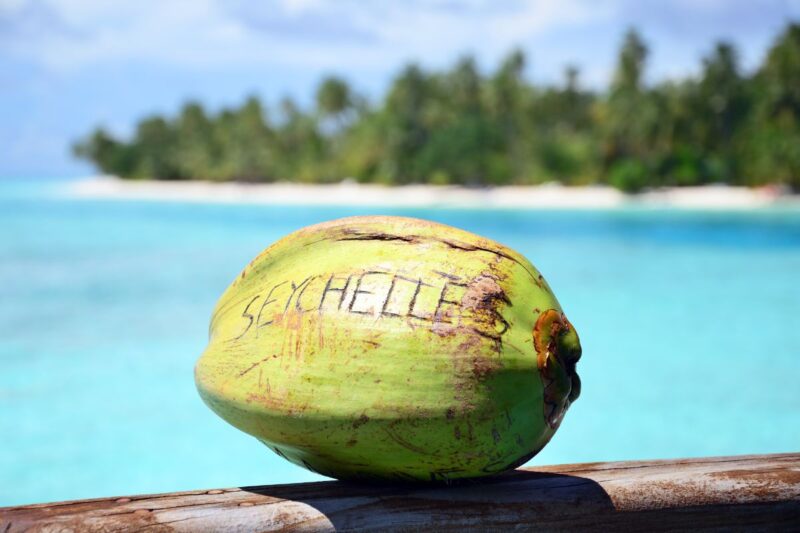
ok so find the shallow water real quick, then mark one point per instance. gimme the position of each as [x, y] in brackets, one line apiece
[689, 322]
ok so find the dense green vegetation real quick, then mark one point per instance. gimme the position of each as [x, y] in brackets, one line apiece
[461, 126]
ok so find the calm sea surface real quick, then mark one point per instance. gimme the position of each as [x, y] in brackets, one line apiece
[690, 323]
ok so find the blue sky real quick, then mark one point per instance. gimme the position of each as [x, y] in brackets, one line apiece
[69, 65]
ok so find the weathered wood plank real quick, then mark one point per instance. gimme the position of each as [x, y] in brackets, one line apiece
[758, 492]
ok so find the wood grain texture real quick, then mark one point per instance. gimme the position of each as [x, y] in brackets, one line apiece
[754, 492]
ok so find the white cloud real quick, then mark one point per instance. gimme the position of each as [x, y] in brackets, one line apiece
[543, 15]
[319, 34]
[370, 39]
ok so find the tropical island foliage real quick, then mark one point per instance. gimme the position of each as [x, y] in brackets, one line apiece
[464, 127]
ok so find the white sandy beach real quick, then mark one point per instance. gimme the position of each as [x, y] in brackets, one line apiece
[548, 196]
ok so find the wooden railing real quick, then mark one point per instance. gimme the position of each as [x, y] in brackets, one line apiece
[761, 492]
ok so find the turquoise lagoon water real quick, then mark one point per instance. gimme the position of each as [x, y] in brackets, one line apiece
[690, 323]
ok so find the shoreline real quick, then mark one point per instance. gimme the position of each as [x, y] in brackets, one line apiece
[352, 194]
